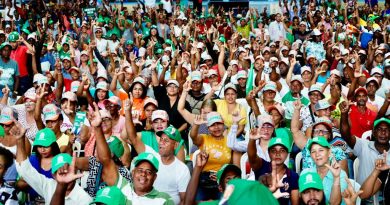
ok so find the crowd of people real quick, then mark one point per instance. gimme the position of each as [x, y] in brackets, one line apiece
[169, 103]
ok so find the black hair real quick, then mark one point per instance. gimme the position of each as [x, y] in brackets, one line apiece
[144, 89]
[8, 158]
[329, 130]
[96, 98]
[55, 149]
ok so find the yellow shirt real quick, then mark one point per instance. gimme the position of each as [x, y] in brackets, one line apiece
[63, 140]
[222, 107]
[219, 152]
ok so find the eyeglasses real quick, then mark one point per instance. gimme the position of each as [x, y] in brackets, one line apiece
[319, 131]
[147, 172]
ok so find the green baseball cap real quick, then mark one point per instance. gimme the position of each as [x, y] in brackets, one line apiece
[376, 122]
[110, 195]
[159, 51]
[144, 156]
[171, 132]
[249, 192]
[25, 30]
[13, 37]
[280, 140]
[318, 140]
[225, 168]
[1, 131]
[50, 22]
[286, 134]
[44, 137]
[4, 45]
[59, 161]
[310, 180]
[222, 39]
[115, 146]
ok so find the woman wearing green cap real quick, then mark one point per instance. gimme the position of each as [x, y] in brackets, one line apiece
[279, 148]
[322, 127]
[45, 148]
[333, 177]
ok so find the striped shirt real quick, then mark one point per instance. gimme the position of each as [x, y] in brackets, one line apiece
[154, 197]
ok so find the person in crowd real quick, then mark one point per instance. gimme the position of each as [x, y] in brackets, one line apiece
[332, 176]
[44, 149]
[8, 192]
[169, 141]
[144, 173]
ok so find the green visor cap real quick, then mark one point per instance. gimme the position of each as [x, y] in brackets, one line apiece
[144, 156]
[171, 132]
[44, 137]
[310, 180]
[59, 161]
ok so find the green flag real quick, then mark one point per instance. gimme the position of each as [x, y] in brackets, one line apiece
[249, 82]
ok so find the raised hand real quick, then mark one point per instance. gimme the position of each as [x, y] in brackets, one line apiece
[254, 134]
[350, 195]
[201, 159]
[334, 168]
[41, 91]
[199, 120]
[67, 173]
[96, 119]
[298, 104]
[344, 107]
[17, 130]
[277, 183]
[186, 86]
[5, 90]
[129, 103]
[381, 162]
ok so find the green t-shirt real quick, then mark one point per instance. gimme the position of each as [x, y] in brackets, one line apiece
[288, 100]
[10, 70]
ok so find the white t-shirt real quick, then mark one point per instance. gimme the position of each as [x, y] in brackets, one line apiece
[167, 5]
[150, 3]
[102, 45]
[11, 12]
[172, 178]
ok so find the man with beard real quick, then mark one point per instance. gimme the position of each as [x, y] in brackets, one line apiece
[311, 189]
[9, 72]
[144, 174]
[361, 117]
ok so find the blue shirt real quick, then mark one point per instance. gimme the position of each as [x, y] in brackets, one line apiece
[290, 182]
[327, 182]
[308, 162]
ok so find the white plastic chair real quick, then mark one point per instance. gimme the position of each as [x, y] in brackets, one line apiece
[243, 160]
[355, 168]
[76, 147]
[356, 186]
[194, 157]
[298, 160]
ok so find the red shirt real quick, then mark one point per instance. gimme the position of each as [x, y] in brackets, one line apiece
[20, 56]
[361, 122]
